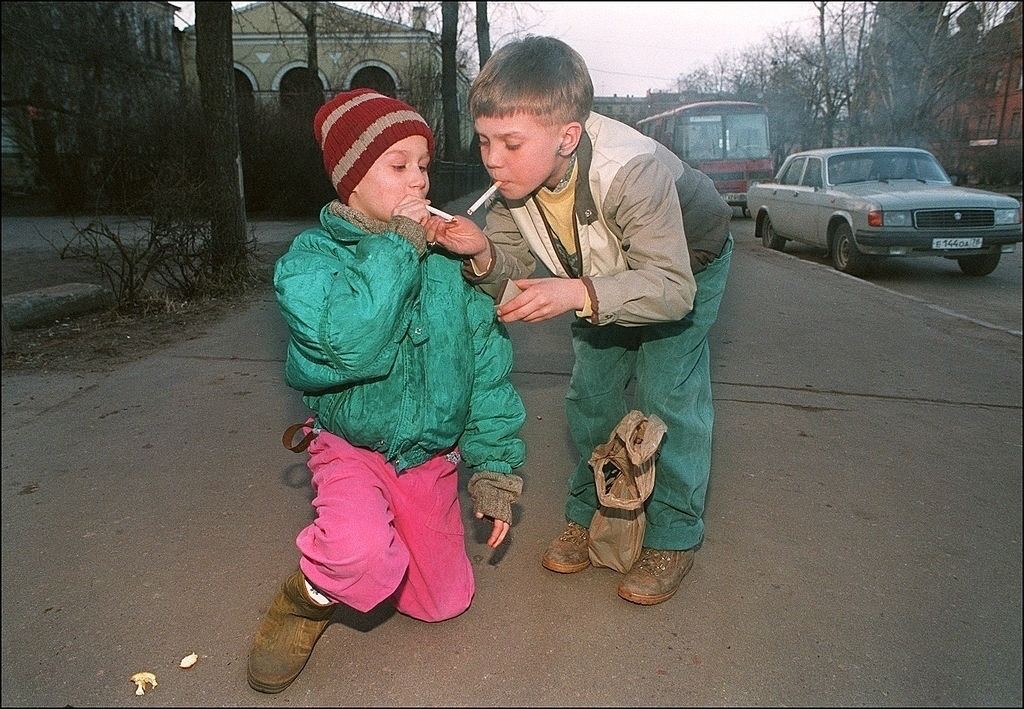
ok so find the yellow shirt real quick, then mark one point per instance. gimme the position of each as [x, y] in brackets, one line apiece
[558, 208]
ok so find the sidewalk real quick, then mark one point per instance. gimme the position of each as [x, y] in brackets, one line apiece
[863, 528]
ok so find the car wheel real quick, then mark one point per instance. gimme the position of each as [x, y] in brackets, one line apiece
[978, 265]
[769, 237]
[846, 257]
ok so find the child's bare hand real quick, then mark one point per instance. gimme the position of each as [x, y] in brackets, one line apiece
[543, 299]
[460, 236]
[498, 532]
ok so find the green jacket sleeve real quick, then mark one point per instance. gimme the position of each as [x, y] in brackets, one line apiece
[491, 440]
[346, 307]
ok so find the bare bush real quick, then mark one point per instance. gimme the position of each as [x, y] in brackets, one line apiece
[163, 253]
[124, 260]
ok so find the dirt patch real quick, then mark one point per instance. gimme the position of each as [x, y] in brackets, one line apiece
[101, 342]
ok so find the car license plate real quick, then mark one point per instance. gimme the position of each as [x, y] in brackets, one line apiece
[973, 242]
[736, 197]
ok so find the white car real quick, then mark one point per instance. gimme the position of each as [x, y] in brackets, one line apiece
[860, 204]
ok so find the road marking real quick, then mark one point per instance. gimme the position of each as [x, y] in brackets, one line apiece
[937, 308]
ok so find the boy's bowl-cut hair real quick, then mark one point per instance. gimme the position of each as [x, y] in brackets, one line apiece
[542, 76]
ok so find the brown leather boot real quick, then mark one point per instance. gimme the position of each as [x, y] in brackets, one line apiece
[569, 553]
[655, 576]
[286, 636]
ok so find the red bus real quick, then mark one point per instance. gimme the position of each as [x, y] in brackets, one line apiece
[726, 140]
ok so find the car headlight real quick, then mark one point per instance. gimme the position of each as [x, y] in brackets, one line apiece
[897, 218]
[1007, 216]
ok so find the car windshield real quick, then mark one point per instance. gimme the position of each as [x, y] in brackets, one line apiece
[884, 167]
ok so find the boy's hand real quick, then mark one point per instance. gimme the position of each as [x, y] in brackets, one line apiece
[543, 299]
[498, 532]
[460, 236]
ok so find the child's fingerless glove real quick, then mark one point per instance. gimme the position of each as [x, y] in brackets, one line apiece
[411, 231]
[494, 493]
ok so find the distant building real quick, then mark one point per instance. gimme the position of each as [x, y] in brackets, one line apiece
[630, 109]
[627, 109]
[981, 136]
[71, 69]
[353, 50]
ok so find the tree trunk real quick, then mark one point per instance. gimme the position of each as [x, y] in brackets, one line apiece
[449, 83]
[312, 90]
[828, 106]
[214, 64]
[483, 33]
[8, 339]
[315, 91]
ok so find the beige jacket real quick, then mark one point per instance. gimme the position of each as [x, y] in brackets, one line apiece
[635, 256]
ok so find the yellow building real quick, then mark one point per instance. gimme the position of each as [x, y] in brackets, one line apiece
[353, 50]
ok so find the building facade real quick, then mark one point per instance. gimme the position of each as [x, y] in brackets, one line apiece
[980, 137]
[354, 50]
[63, 89]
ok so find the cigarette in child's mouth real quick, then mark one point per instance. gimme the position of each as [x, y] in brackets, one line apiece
[440, 213]
[483, 198]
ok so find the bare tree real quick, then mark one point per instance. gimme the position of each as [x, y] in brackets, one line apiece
[922, 58]
[828, 95]
[312, 94]
[853, 27]
[483, 33]
[214, 64]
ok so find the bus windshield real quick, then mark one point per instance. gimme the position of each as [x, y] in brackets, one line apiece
[737, 136]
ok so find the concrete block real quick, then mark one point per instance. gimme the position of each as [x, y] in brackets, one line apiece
[44, 305]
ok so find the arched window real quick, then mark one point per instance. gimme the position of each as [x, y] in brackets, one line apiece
[294, 84]
[373, 77]
[244, 97]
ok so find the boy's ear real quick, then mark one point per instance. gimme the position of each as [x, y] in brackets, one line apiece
[571, 134]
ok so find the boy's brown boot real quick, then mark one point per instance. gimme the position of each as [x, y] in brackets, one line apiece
[655, 576]
[286, 636]
[570, 552]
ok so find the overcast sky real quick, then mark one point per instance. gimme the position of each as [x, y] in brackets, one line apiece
[631, 47]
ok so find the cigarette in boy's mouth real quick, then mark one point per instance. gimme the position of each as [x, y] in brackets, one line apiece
[444, 215]
[483, 198]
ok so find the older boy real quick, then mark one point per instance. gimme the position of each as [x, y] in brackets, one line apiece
[604, 208]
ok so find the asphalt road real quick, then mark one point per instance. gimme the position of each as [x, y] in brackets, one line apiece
[993, 300]
[863, 546]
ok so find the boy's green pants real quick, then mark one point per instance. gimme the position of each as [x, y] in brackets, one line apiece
[673, 380]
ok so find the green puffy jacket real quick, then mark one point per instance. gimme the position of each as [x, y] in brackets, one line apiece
[394, 352]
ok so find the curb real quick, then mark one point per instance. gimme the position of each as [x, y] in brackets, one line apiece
[44, 305]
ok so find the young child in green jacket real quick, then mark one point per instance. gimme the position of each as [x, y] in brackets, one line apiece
[639, 246]
[406, 371]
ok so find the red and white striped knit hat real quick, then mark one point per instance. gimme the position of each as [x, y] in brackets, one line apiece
[356, 127]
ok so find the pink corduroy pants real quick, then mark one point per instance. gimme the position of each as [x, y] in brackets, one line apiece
[378, 535]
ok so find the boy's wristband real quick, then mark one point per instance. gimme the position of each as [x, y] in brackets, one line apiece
[472, 273]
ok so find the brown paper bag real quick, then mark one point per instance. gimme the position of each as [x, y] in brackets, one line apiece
[624, 475]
